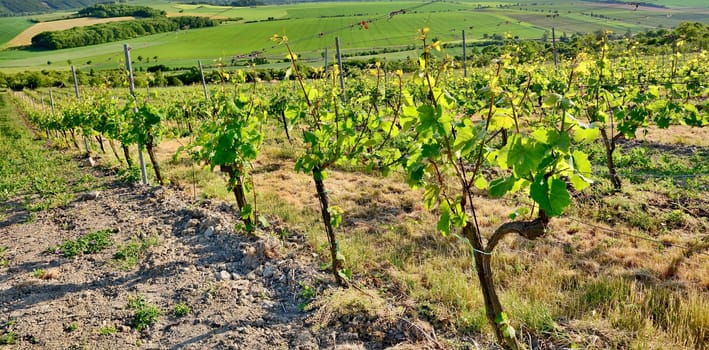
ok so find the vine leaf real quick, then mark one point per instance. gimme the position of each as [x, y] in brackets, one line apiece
[444, 223]
[552, 196]
[499, 187]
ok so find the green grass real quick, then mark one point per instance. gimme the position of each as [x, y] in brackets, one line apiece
[71, 327]
[7, 335]
[4, 262]
[38, 273]
[144, 315]
[11, 26]
[86, 244]
[129, 254]
[29, 168]
[181, 310]
[107, 330]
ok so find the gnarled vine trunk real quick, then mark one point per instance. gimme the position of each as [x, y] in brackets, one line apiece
[126, 153]
[237, 187]
[113, 149]
[324, 210]
[609, 144]
[482, 256]
[150, 146]
[99, 139]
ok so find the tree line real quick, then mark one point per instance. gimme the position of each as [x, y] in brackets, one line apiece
[119, 10]
[114, 31]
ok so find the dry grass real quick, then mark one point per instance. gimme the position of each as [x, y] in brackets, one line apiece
[677, 135]
[579, 284]
[25, 38]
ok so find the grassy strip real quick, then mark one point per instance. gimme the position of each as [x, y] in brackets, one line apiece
[36, 177]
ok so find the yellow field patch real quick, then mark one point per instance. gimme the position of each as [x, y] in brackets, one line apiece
[25, 38]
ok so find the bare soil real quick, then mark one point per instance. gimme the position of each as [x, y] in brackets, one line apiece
[245, 291]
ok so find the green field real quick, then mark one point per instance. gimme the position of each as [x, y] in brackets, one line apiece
[312, 27]
[11, 26]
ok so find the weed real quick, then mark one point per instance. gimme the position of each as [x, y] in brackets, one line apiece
[181, 310]
[130, 253]
[675, 219]
[87, 244]
[71, 327]
[307, 294]
[7, 336]
[107, 330]
[130, 175]
[38, 273]
[145, 314]
[4, 262]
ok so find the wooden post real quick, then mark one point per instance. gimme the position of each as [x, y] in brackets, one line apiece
[326, 61]
[76, 82]
[51, 101]
[553, 45]
[342, 72]
[465, 58]
[204, 82]
[44, 108]
[131, 81]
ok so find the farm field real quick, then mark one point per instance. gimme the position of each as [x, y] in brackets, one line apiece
[312, 27]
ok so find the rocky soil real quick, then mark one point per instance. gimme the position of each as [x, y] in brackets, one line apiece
[244, 291]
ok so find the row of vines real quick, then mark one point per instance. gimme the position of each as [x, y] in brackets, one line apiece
[506, 129]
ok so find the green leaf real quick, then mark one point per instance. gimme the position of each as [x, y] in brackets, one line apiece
[480, 183]
[581, 163]
[310, 137]
[551, 100]
[524, 155]
[501, 318]
[335, 216]
[346, 274]
[263, 221]
[431, 196]
[582, 134]
[499, 187]
[552, 197]
[247, 211]
[320, 175]
[508, 331]
[444, 222]
[579, 182]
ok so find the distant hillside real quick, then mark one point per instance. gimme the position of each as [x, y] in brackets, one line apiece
[16, 7]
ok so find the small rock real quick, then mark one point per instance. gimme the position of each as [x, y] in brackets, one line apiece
[89, 196]
[240, 285]
[251, 276]
[123, 328]
[223, 275]
[206, 223]
[268, 271]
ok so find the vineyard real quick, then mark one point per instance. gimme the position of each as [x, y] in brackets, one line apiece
[518, 205]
